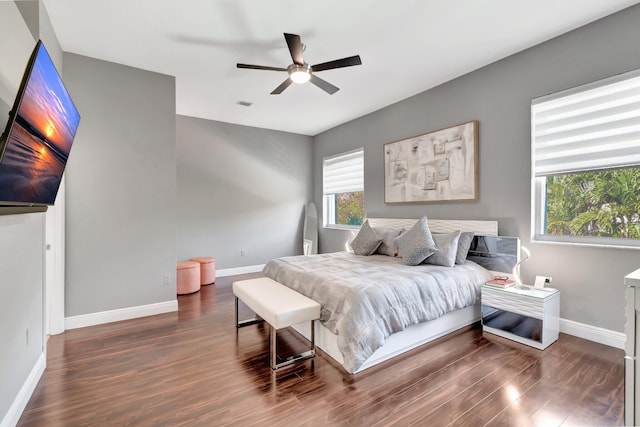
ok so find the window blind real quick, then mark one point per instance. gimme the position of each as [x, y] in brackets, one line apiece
[591, 127]
[343, 173]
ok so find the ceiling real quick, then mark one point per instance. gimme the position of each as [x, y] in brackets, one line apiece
[406, 46]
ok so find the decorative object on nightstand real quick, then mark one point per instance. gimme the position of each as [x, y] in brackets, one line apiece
[500, 282]
[542, 281]
[516, 268]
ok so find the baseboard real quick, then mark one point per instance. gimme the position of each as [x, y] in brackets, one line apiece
[117, 315]
[593, 333]
[20, 402]
[240, 270]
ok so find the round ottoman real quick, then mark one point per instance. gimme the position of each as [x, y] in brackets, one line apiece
[188, 277]
[207, 269]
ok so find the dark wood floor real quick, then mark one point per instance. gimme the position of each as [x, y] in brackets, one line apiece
[191, 369]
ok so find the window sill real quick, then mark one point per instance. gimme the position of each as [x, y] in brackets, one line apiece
[342, 227]
[632, 244]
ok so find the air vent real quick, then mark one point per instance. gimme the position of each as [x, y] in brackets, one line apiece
[245, 103]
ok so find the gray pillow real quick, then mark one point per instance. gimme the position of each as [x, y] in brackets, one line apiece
[388, 246]
[447, 249]
[416, 244]
[464, 243]
[366, 241]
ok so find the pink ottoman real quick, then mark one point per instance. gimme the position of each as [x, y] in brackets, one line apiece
[188, 277]
[207, 269]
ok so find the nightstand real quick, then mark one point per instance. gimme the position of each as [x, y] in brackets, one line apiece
[524, 314]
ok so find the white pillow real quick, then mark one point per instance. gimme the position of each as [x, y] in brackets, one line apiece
[416, 244]
[447, 245]
[466, 238]
[366, 241]
[388, 246]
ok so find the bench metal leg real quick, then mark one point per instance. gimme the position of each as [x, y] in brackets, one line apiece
[291, 359]
[246, 322]
[273, 357]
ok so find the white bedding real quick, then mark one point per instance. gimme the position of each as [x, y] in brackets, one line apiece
[365, 299]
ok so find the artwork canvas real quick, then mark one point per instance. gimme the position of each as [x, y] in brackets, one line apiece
[434, 167]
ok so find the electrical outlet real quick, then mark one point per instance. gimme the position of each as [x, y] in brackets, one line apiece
[166, 279]
[243, 252]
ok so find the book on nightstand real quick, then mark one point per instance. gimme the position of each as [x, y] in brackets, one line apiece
[500, 283]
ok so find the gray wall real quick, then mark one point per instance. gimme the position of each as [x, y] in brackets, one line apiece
[121, 187]
[16, 44]
[21, 236]
[21, 305]
[499, 96]
[240, 188]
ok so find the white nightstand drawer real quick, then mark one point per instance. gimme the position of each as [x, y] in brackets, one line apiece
[512, 302]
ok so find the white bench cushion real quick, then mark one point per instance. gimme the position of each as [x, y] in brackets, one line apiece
[275, 303]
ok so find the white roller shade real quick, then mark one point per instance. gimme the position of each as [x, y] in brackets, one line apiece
[343, 173]
[595, 126]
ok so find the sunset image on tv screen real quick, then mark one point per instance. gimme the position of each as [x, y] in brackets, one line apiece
[40, 139]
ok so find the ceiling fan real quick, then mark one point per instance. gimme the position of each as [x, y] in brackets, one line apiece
[301, 72]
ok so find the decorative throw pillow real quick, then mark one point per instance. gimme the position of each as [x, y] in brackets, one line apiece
[388, 246]
[416, 244]
[464, 243]
[447, 245]
[366, 241]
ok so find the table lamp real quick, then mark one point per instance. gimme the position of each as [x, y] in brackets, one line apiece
[516, 268]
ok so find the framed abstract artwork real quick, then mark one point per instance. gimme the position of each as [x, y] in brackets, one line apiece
[438, 166]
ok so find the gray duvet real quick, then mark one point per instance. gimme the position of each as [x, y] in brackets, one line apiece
[365, 299]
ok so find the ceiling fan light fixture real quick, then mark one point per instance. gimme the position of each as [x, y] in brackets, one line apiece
[299, 73]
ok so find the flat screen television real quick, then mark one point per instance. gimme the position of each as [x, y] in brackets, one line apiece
[35, 145]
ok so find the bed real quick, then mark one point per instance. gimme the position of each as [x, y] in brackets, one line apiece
[375, 307]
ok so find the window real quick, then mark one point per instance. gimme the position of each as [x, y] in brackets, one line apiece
[586, 163]
[343, 188]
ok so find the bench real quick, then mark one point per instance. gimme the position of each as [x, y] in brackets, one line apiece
[280, 307]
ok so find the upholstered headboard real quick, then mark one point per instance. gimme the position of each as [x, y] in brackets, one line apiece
[481, 228]
[496, 253]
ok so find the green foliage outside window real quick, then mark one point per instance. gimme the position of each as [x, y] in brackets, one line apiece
[350, 208]
[602, 203]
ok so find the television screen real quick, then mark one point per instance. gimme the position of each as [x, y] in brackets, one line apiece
[35, 145]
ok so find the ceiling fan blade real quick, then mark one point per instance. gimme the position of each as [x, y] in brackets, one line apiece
[338, 63]
[295, 47]
[324, 85]
[260, 67]
[285, 84]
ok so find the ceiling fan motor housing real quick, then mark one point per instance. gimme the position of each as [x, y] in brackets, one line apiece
[299, 73]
